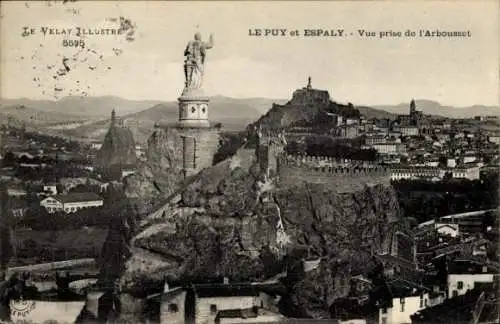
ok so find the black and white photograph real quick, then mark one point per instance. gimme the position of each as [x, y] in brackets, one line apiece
[216, 162]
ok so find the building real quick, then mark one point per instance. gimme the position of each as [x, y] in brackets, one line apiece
[494, 139]
[471, 173]
[405, 299]
[127, 172]
[72, 202]
[403, 307]
[447, 229]
[351, 121]
[415, 118]
[16, 190]
[348, 131]
[50, 189]
[432, 173]
[476, 306]
[486, 118]
[409, 130]
[465, 275]
[389, 148]
[398, 256]
[96, 145]
[375, 139]
[217, 303]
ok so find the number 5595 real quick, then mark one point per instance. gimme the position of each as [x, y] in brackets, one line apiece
[73, 43]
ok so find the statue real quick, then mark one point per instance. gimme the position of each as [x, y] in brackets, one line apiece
[194, 64]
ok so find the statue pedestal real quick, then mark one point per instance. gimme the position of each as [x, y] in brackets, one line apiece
[193, 109]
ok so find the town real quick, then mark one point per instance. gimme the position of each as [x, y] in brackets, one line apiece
[56, 186]
[177, 166]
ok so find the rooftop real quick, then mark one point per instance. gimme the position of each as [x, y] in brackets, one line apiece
[77, 197]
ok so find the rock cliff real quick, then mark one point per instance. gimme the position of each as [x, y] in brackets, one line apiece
[230, 221]
[161, 174]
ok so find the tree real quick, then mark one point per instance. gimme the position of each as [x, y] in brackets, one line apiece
[6, 234]
[9, 160]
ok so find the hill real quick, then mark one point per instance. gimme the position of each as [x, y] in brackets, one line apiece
[89, 116]
[82, 106]
[370, 112]
[234, 114]
[309, 107]
[22, 114]
[430, 107]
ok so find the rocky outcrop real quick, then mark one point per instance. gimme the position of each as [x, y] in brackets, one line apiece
[230, 221]
[308, 107]
[118, 147]
[162, 174]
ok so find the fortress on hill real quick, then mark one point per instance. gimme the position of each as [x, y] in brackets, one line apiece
[271, 139]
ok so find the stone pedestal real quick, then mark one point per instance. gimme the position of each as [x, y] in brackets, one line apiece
[193, 109]
[193, 141]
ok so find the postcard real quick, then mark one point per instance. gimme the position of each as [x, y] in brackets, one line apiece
[245, 162]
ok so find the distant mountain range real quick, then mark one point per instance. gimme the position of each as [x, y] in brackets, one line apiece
[91, 114]
[85, 107]
[234, 114]
[430, 107]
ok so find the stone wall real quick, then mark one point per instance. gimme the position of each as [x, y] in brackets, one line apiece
[343, 175]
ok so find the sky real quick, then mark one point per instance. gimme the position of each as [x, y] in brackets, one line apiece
[361, 70]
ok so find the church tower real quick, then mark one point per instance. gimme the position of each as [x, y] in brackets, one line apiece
[413, 108]
[113, 118]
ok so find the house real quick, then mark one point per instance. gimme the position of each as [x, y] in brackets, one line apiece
[18, 206]
[348, 131]
[50, 189]
[409, 131]
[405, 299]
[494, 139]
[469, 159]
[16, 190]
[402, 308]
[127, 172]
[216, 303]
[96, 145]
[465, 275]
[476, 306]
[480, 247]
[71, 202]
[447, 229]
[250, 315]
[98, 305]
[351, 121]
[398, 256]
